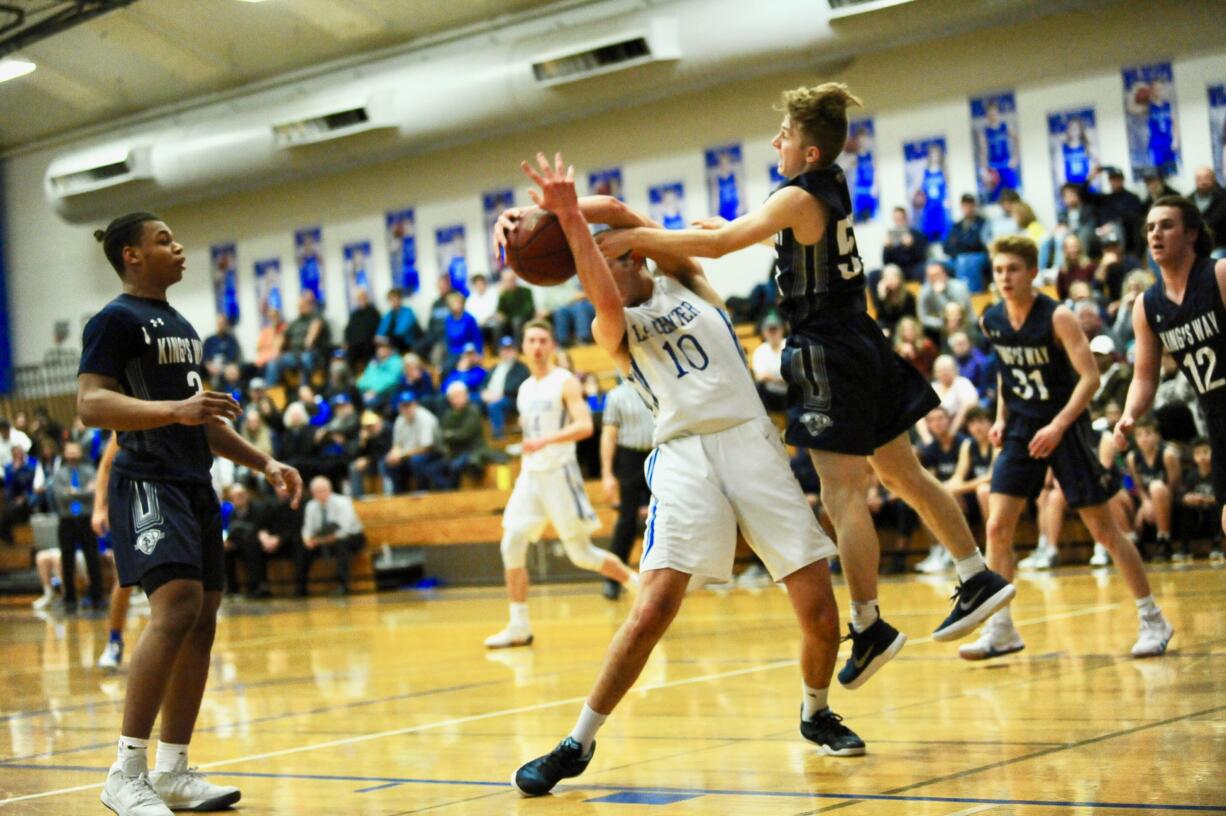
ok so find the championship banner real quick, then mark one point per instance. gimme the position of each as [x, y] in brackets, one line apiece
[492, 205]
[606, 182]
[858, 163]
[667, 204]
[268, 288]
[1152, 119]
[357, 271]
[998, 156]
[224, 267]
[927, 186]
[725, 181]
[452, 257]
[402, 250]
[310, 264]
[1072, 141]
[1217, 129]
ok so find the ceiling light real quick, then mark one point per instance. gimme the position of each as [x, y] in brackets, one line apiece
[13, 67]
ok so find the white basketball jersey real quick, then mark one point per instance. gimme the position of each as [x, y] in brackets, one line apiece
[541, 412]
[688, 364]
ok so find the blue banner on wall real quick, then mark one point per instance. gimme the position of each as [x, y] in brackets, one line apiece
[725, 181]
[224, 258]
[606, 182]
[492, 205]
[928, 186]
[1217, 129]
[268, 288]
[998, 154]
[859, 162]
[357, 271]
[668, 204]
[453, 256]
[1152, 119]
[1072, 140]
[310, 264]
[402, 250]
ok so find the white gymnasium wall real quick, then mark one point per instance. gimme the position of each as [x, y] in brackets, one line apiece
[57, 270]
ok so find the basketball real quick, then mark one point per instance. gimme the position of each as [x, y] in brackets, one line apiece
[537, 249]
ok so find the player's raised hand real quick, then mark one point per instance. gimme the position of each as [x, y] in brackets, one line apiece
[207, 407]
[1123, 429]
[285, 480]
[556, 182]
[505, 223]
[614, 243]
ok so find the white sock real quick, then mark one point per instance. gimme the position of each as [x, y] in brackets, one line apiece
[864, 615]
[133, 756]
[1043, 542]
[519, 615]
[970, 566]
[585, 729]
[1004, 617]
[1147, 606]
[171, 757]
[814, 701]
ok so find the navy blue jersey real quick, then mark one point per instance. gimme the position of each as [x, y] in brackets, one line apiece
[1192, 332]
[943, 462]
[1151, 470]
[1037, 376]
[981, 459]
[155, 354]
[821, 282]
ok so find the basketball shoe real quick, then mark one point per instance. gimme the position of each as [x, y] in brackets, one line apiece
[1154, 636]
[187, 789]
[511, 636]
[974, 602]
[826, 730]
[132, 795]
[998, 638]
[538, 777]
[870, 650]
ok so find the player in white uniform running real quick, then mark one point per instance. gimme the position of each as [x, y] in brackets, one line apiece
[718, 463]
[554, 415]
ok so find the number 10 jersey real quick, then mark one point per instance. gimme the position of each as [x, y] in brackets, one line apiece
[687, 364]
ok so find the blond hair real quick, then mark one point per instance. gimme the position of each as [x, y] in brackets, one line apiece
[820, 113]
[1019, 245]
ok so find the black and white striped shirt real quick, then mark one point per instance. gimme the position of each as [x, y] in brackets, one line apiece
[625, 409]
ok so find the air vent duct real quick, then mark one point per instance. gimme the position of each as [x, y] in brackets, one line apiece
[101, 170]
[333, 125]
[658, 44]
[842, 9]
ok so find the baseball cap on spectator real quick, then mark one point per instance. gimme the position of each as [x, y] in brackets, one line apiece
[1110, 235]
[257, 384]
[1113, 172]
[772, 321]
[340, 399]
[507, 342]
[469, 347]
[967, 198]
[1150, 173]
[406, 396]
[1102, 344]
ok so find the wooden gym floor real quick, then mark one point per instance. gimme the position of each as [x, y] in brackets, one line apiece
[389, 705]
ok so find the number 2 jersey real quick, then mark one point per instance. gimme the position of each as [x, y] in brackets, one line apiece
[1192, 333]
[687, 364]
[821, 282]
[1037, 378]
[155, 354]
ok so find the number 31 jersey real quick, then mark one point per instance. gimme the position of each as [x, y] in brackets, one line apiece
[1037, 378]
[154, 354]
[1192, 332]
[687, 364]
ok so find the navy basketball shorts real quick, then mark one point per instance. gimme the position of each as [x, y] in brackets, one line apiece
[165, 530]
[1074, 463]
[848, 392]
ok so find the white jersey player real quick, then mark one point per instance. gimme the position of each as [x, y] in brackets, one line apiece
[549, 490]
[718, 463]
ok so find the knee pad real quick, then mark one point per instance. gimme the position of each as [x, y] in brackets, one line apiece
[514, 548]
[583, 553]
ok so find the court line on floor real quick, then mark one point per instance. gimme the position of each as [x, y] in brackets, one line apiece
[770, 666]
[850, 798]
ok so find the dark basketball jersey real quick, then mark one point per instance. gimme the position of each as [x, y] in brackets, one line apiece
[155, 354]
[1192, 333]
[981, 459]
[1037, 377]
[942, 462]
[823, 281]
[1152, 470]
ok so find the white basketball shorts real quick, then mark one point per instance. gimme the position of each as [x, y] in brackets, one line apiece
[704, 486]
[554, 496]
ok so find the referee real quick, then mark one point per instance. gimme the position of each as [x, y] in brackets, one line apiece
[625, 441]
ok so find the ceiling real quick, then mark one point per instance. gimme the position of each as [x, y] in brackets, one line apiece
[157, 52]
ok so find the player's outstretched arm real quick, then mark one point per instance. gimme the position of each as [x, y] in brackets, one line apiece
[557, 195]
[226, 442]
[1144, 374]
[102, 404]
[782, 210]
[1069, 334]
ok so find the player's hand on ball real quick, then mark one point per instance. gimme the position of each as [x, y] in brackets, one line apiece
[504, 224]
[207, 407]
[557, 185]
[285, 480]
[1045, 441]
[1123, 429]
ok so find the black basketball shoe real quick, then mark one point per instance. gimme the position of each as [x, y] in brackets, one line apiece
[826, 730]
[974, 602]
[537, 778]
[870, 650]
